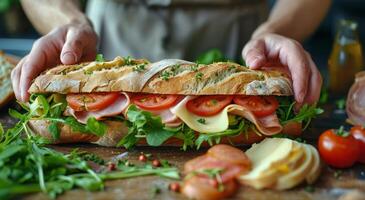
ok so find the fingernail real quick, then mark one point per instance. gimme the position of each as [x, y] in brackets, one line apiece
[255, 61]
[69, 57]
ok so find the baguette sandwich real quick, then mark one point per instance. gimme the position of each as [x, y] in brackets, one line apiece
[128, 102]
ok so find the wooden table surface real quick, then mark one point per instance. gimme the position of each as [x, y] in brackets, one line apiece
[349, 185]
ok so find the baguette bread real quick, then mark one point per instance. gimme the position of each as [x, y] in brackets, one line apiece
[116, 130]
[6, 91]
[170, 76]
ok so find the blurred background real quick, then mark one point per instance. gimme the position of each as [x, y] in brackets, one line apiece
[17, 34]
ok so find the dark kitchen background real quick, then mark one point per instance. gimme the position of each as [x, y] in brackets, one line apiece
[17, 34]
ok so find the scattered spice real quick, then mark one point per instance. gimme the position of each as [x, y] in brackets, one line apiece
[142, 158]
[156, 163]
[111, 166]
[175, 187]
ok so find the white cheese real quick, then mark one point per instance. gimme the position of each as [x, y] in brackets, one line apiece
[216, 123]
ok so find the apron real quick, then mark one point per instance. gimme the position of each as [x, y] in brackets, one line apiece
[184, 29]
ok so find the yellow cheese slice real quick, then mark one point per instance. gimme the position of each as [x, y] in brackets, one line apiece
[296, 176]
[267, 155]
[216, 123]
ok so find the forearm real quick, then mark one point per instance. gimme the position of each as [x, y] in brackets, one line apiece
[46, 15]
[294, 19]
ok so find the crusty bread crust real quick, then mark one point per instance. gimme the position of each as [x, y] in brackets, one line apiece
[184, 78]
[7, 63]
[116, 130]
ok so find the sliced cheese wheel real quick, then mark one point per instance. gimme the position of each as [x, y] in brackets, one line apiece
[296, 176]
[313, 174]
[264, 156]
[268, 125]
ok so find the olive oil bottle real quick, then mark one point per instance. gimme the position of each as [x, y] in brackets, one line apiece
[346, 58]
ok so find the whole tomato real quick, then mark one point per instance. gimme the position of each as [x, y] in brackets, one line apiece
[338, 148]
[358, 132]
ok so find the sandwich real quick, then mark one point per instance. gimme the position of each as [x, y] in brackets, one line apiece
[128, 102]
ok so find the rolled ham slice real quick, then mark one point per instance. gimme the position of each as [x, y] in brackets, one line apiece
[355, 105]
[231, 160]
[120, 104]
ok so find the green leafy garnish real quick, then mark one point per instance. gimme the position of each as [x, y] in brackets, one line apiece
[139, 68]
[212, 138]
[199, 76]
[211, 56]
[143, 124]
[201, 120]
[286, 112]
[165, 75]
[341, 103]
[99, 58]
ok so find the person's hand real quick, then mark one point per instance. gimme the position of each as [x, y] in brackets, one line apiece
[68, 44]
[266, 49]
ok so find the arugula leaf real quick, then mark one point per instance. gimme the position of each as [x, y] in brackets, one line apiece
[212, 138]
[95, 126]
[54, 130]
[286, 112]
[144, 125]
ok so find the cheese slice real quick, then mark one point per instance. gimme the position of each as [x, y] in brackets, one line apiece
[268, 154]
[216, 123]
[268, 125]
[313, 174]
[297, 175]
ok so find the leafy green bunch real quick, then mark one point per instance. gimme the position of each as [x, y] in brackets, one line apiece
[27, 165]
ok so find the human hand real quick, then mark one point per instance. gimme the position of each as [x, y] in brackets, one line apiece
[272, 50]
[68, 44]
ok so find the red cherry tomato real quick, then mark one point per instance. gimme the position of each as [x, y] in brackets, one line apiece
[208, 105]
[154, 101]
[91, 101]
[338, 148]
[358, 132]
[260, 105]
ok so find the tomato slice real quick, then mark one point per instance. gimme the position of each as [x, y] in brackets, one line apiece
[154, 101]
[208, 105]
[260, 105]
[91, 101]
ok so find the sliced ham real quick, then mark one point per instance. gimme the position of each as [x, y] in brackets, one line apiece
[120, 104]
[355, 105]
[268, 125]
[199, 186]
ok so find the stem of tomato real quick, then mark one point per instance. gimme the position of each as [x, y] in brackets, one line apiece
[341, 132]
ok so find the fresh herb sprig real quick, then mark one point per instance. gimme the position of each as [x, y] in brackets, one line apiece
[306, 113]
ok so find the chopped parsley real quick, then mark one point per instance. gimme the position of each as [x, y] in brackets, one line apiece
[194, 68]
[128, 60]
[201, 120]
[139, 68]
[199, 76]
[165, 75]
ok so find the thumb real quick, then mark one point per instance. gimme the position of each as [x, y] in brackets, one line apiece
[254, 54]
[73, 48]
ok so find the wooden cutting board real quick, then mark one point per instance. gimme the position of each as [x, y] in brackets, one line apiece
[332, 184]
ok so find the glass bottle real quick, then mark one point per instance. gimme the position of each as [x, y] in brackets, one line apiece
[345, 59]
